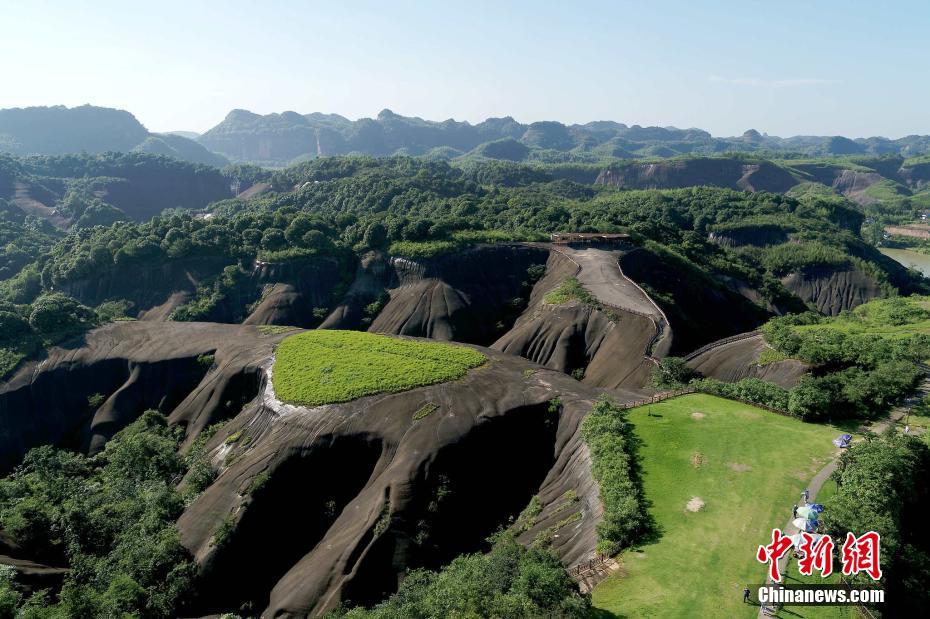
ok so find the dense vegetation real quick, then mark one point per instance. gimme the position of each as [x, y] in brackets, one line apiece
[110, 518]
[49, 319]
[322, 367]
[881, 487]
[419, 209]
[864, 360]
[508, 581]
[612, 445]
[99, 189]
[23, 238]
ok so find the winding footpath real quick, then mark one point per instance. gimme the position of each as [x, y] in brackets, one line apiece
[823, 475]
[600, 274]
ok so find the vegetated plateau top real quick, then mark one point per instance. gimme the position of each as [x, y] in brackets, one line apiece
[326, 367]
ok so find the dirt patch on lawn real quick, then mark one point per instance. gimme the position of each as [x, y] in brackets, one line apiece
[698, 415]
[739, 468]
[698, 460]
[695, 504]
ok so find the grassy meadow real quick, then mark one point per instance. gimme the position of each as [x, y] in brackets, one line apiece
[324, 367]
[719, 475]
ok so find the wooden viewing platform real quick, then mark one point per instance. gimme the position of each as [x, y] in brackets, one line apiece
[562, 238]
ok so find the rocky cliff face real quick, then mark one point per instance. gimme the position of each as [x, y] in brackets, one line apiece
[397, 492]
[292, 292]
[469, 296]
[132, 366]
[155, 290]
[719, 172]
[611, 350]
[699, 309]
[734, 361]
[916, 176]
[833, 290]
[352, 533]
[758, 236]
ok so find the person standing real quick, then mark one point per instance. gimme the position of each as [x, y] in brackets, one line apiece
[746, 595]
[794, 512]
[807, 496]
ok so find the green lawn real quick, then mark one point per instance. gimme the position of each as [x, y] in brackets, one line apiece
[748, 466]
[322, 367]
[894, 317]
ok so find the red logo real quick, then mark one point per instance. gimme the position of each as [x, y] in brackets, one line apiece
[773, 552]
[817, 554]
[859, 554]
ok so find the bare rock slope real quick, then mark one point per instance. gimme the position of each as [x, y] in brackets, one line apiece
[833, 290]
[199, 373]
[736, 358]
[612, 344]
[315, 506]
[397, 492]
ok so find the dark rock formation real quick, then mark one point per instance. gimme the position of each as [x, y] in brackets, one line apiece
[155, 289]
[133, 366]
[397, 493]
[291, 292]
[758, 236]
[372, 278]
[699, 309]
[736, 360]
[833, 290]
[715, 171]
[335, 503]
[469, 296]
[573, 336]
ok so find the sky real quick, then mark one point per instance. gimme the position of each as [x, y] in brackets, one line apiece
[783, 68]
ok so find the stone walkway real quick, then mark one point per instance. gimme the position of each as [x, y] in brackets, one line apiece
[600, 274]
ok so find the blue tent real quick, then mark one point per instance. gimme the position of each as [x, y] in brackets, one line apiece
[816, 507]
[843, 440]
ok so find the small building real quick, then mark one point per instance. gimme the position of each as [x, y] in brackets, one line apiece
[599, 238]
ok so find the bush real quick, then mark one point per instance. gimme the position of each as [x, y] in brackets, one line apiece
[672, 373]
[611, 442]
[880, 487]
[509, 581]
[55, 312]
[753, 390]
[12, 326]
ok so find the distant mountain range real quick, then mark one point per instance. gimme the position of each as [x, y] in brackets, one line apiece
[59, 130]
[280, 139]
[277, 140]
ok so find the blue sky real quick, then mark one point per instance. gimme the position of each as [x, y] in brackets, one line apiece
[785, 68]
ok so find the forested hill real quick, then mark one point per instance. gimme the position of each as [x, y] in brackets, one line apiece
[59, 130]
[79, 191]
[280, 139]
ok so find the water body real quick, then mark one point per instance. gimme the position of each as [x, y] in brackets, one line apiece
[909, 258]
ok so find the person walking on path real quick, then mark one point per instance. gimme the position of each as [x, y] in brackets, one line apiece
[806, 495]
[746, 595]
[794, 512]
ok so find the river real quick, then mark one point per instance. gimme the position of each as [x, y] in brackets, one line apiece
[909, 258]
